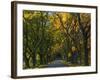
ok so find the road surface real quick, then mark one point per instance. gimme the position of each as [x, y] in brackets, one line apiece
[56, 63]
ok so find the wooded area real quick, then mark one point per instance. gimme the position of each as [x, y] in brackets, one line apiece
[56, 38]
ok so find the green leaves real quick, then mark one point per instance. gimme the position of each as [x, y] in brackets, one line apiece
[46, 34]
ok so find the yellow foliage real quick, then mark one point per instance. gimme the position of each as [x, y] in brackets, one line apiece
[64, 17]
[28, 16]
[73, 48]
[56, 23]
[69, 54]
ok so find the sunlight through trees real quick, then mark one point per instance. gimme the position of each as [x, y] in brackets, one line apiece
[50, 36]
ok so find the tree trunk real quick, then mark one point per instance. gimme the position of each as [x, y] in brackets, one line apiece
[86, 53]
[34, 58]
[85, 41]
[26, 61]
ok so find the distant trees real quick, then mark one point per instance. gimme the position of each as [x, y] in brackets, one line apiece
[46, 34]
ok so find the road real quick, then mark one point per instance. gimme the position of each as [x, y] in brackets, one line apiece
[56, 63]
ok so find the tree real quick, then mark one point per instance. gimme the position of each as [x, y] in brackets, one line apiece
[85, 28]
[48, 35]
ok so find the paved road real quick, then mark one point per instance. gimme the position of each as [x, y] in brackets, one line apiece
[56, 63]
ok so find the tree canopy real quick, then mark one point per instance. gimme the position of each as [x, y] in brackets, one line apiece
[48, 35]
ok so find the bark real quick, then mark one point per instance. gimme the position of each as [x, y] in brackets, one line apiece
[84, 41]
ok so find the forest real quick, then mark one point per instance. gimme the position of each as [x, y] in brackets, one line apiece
[56, 39]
